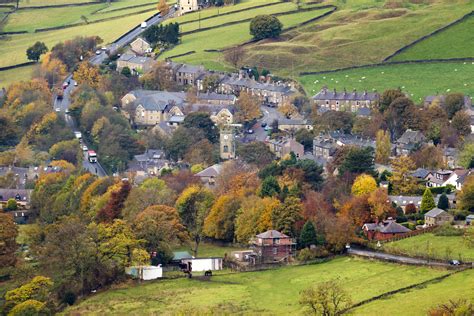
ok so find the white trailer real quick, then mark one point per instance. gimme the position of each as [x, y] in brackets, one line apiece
[204, 264]
[145, 272]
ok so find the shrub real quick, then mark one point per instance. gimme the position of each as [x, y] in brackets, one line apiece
[308, 254]
[420, 222]
[69, 298]
[448, 230]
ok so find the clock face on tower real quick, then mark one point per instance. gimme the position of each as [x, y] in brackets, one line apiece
[225, 136]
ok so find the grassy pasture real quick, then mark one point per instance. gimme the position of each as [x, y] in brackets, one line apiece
[38, 3]
[454, 42]
[10, 76]
[417, 301]
[359, 32]
[418, 80]
[271, 292]
[440, 247]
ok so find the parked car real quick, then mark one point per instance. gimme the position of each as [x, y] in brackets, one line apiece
[98, 52]
[454, 262]
[84, 148]
[143, 25]
[58, 110]
[264, 124]
[250, 131]
[75, 84]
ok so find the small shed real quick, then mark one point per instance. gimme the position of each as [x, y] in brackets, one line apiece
[145, 272]
[469, 219]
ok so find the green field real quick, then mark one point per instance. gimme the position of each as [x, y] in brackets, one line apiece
[419, 300]
[271, 292]
[359, 32]
[440, 247]
[8, 77]
[418, 80]
[454, 42]
[38, 3]
[222, 39]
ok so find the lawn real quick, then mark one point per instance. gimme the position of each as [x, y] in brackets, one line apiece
[8, 77]
[222, 39]
[417, 301]
[13, 48]
[359, 32]
[38, 3]
[440, 247]
[454, 42]
[271, 292]
[417, 80]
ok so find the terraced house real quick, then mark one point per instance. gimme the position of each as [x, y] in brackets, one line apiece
[345, 101]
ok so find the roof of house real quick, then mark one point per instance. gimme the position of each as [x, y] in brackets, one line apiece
[272, 234]
[435, 212]
[411, 137]
[239, 81]
[421, 173]
[216, 96]
[140, 39]
[387, 227]
[138, 60]
[17, 194]
[286, 121]
[326, 94]
[191, 69]
[212, 171]
[176, 119]
[159, 100]
[364, 111]
[150, 154]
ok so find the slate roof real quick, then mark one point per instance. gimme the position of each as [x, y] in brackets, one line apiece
[17, 194]
[159, 100]
[364, 111]
[387, 227]
[442, 99]
[190, 69]
[180, 255]
[286, 121]
[216, 96]
[139, 60]
[272, 234]
[253, 84]
[326, 94]
[411, 137]
[435, 212]
[212, 171]
[420, 173]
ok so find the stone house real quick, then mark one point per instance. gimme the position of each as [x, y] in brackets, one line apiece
[140, 46]
[437, 217]
[273, 247]
[22, 198]
[137, 64]
[208, 176]
[345, 101]
[293, 125]
[283, 147]
[148, 164]
[409, 141]
[187, 74]
[213, 98]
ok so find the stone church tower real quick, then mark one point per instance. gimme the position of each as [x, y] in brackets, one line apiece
[227, 143]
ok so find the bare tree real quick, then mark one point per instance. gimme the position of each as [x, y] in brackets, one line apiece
[235, 56]
[327, 298]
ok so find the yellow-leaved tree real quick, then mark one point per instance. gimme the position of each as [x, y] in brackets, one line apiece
[363, 184]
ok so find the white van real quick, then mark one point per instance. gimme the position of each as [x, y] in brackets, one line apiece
[143, 25]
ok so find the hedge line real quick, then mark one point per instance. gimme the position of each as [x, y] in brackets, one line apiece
[125, 8]
[399, 51]
[181, 55]
[60, 5]
[28, 63]
[419, 61]
[91, 22]
[12, 33]
[276, 14]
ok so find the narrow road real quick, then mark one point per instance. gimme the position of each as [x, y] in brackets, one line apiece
[395, 258]
[62, 105]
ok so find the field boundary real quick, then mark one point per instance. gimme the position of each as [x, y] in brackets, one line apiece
[390, 293]
[28, 63]
[404, 48]
[124, 8]
[402, 62]
[60, 5]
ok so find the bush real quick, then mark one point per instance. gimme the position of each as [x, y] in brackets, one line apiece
[308, 254]
[448, 230]
[69, 298]
[461, 215]
[440, 190]
[401, 219]
[420, 222]
[409, 225]
[265, 26]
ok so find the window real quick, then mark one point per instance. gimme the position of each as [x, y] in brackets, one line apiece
[276, 241]
[275, 250]
[226, 149]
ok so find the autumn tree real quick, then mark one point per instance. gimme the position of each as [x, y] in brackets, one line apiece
[235, 56]
[30, 296]
[8, 245]
[460, 307]
[288, 109]
[466, 196]
[51, 69]
[327, 298]
[256, 153]
[402, 181]
[387, 97]
[210, 83]
[115, 204]
[461, 122]
[163, 7]
[285, 216]
[428, 156]
[380, 206]
[193, 206]
[382, 147]
[453, 103]
[87, 74]
[219, 223]
[34, 52]
[248, 107]
[400, 115]
[410, 208]
[269, 187]
[466, 155]
[427, 201]
[160, 77]
[160, 226]
[364, 184]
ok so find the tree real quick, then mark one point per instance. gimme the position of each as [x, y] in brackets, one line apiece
[327, 298]
[466, 156]
[286, 215]
[364, 184]
[115, 204]
[308, 235]
[402, 181]
[202, 121]
[312, 172]
[29, 307]
[443, 202]
[234, 56]
[11, 205]
[400, 115]
[248, 107]
[270, 187]
[453, 103]
[335, 121]
[428, 156]
[466, 196]
[182, 141]
[193, 205]
[219, 224]
[305, 137]
[126, 72]
[163, 7]
[410, 208]
[288, 109]
[87, 74]
[461, 122]
[358, 160]
[387, 97]
[210, 83]
[459, 307]
[68, 150]
[256, 153]
[8, 245]
[265, 26]
[382, 147]
[34, 52]
[161, 228]
[427, 201]
[38, 290]
[159, 78]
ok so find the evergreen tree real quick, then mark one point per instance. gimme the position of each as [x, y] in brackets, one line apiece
[308, 235]
[270, 187]
[427, 202]
[443, 202]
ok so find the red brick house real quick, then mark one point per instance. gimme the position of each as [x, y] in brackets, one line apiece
[384, 230]
[273, 246]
